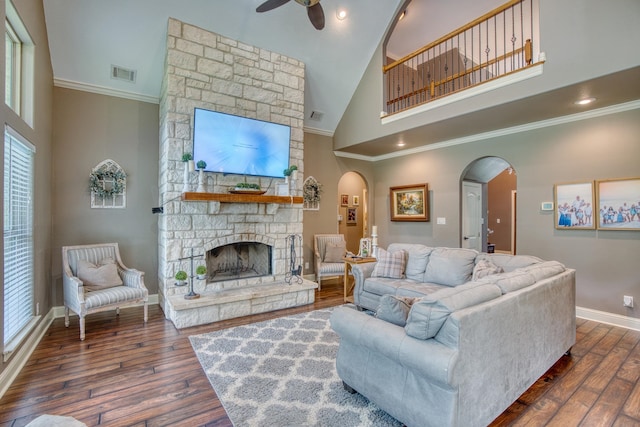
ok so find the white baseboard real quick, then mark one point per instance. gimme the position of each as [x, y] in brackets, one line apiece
[20, 358]
[608, 318]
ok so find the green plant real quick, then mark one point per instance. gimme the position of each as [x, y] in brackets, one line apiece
[186, 157]
[248, 185]
[201, 164]
[181, 275]
[201, 269]
[287, 171]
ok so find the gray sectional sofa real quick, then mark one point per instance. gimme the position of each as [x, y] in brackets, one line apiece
[458, 336]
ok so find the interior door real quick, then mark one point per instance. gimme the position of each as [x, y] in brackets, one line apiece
[472, 216]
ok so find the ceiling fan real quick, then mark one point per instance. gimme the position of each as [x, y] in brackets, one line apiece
[314, 10]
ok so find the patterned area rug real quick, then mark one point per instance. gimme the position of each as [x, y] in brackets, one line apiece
[282, 372]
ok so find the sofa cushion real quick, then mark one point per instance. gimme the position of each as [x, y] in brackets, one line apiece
[485, 268]
[390, 264]
[511, 281]
[394, 309]
[428, 314]
[334, 252]
[544, 269]
[450, 266]
[101, 276]
[509, 262]
[417, 259]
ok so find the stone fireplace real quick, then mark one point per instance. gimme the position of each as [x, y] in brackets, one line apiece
[242, 243]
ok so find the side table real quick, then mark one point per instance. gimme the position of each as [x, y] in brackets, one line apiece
[348, 264]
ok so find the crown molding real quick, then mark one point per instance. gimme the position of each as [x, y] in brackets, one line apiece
[613, 109]
[317, 131]
[101, 90]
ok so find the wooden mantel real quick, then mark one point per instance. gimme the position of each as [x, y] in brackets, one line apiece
[239, 198]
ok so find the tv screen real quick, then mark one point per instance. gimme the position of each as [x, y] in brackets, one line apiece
[238, 145]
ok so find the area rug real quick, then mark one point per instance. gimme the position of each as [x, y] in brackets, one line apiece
[282, 372]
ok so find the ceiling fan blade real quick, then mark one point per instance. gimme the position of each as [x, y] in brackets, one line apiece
[270, 4]
[316, 16]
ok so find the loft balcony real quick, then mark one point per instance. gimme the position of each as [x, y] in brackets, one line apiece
[493, 46]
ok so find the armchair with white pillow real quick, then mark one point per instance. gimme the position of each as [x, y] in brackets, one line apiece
[95, 279]
[329, 249]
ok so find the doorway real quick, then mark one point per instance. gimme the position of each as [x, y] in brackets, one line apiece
[353, 214]
[488, 206]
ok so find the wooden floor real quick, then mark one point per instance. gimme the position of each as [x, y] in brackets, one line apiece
[129, 374]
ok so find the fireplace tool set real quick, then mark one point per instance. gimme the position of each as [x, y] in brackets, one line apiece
[295, 268]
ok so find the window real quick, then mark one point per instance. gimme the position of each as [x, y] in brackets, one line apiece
[13, 53]
[18, 238]
[19, 65]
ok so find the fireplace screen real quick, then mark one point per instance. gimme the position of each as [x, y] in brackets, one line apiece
[238, 261]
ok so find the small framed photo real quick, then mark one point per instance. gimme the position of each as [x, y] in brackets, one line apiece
[344, 200]
[409, 203]
[619, 204]
[352, 216]
[356, 200]
[575, 206]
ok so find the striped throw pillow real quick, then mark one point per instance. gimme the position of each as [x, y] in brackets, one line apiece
[390, 264]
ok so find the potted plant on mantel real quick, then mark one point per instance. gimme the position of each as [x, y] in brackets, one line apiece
[189, 167]
[291, 171]
[201, 166]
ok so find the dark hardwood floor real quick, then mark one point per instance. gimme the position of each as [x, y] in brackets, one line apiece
[129, 374]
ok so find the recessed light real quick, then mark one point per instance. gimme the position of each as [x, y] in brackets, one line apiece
[341, 14]
[584, 101]
[400, 144]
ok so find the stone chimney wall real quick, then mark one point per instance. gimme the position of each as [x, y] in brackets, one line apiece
[210, 71]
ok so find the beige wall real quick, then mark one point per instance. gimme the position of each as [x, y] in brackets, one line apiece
[599, 148]
[322, 164]
[89, 128]
[32, 15]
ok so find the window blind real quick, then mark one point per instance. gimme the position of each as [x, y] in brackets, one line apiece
[18, 235]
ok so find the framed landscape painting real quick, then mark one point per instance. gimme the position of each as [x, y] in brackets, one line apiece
[619, 204]
[575, 208]
[409, 203]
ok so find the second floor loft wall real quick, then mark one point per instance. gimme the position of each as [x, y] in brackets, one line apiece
[496, 44]
[584, 41]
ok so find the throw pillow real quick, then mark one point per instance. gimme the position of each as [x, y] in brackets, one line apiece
[394, 309]
[96, 277]
[390, 264]
[484, 268]
[334, 252]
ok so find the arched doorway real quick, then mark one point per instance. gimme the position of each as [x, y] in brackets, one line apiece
[488, 206]
[353, 212]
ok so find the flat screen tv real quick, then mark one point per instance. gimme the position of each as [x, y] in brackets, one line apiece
[239, 145]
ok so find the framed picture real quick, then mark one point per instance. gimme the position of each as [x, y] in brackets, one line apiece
[619, 204]
[575, 206]
[365, 247]
[409, 203]
[352, 216]
[344, 200]
[356, 200]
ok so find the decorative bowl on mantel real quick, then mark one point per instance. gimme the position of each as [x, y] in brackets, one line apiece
[247, 189]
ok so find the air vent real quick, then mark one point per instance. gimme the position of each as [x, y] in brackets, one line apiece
[120, 73]
[316, 115]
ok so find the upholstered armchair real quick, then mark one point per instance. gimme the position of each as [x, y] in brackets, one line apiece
[95, 279]
[329, 249]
